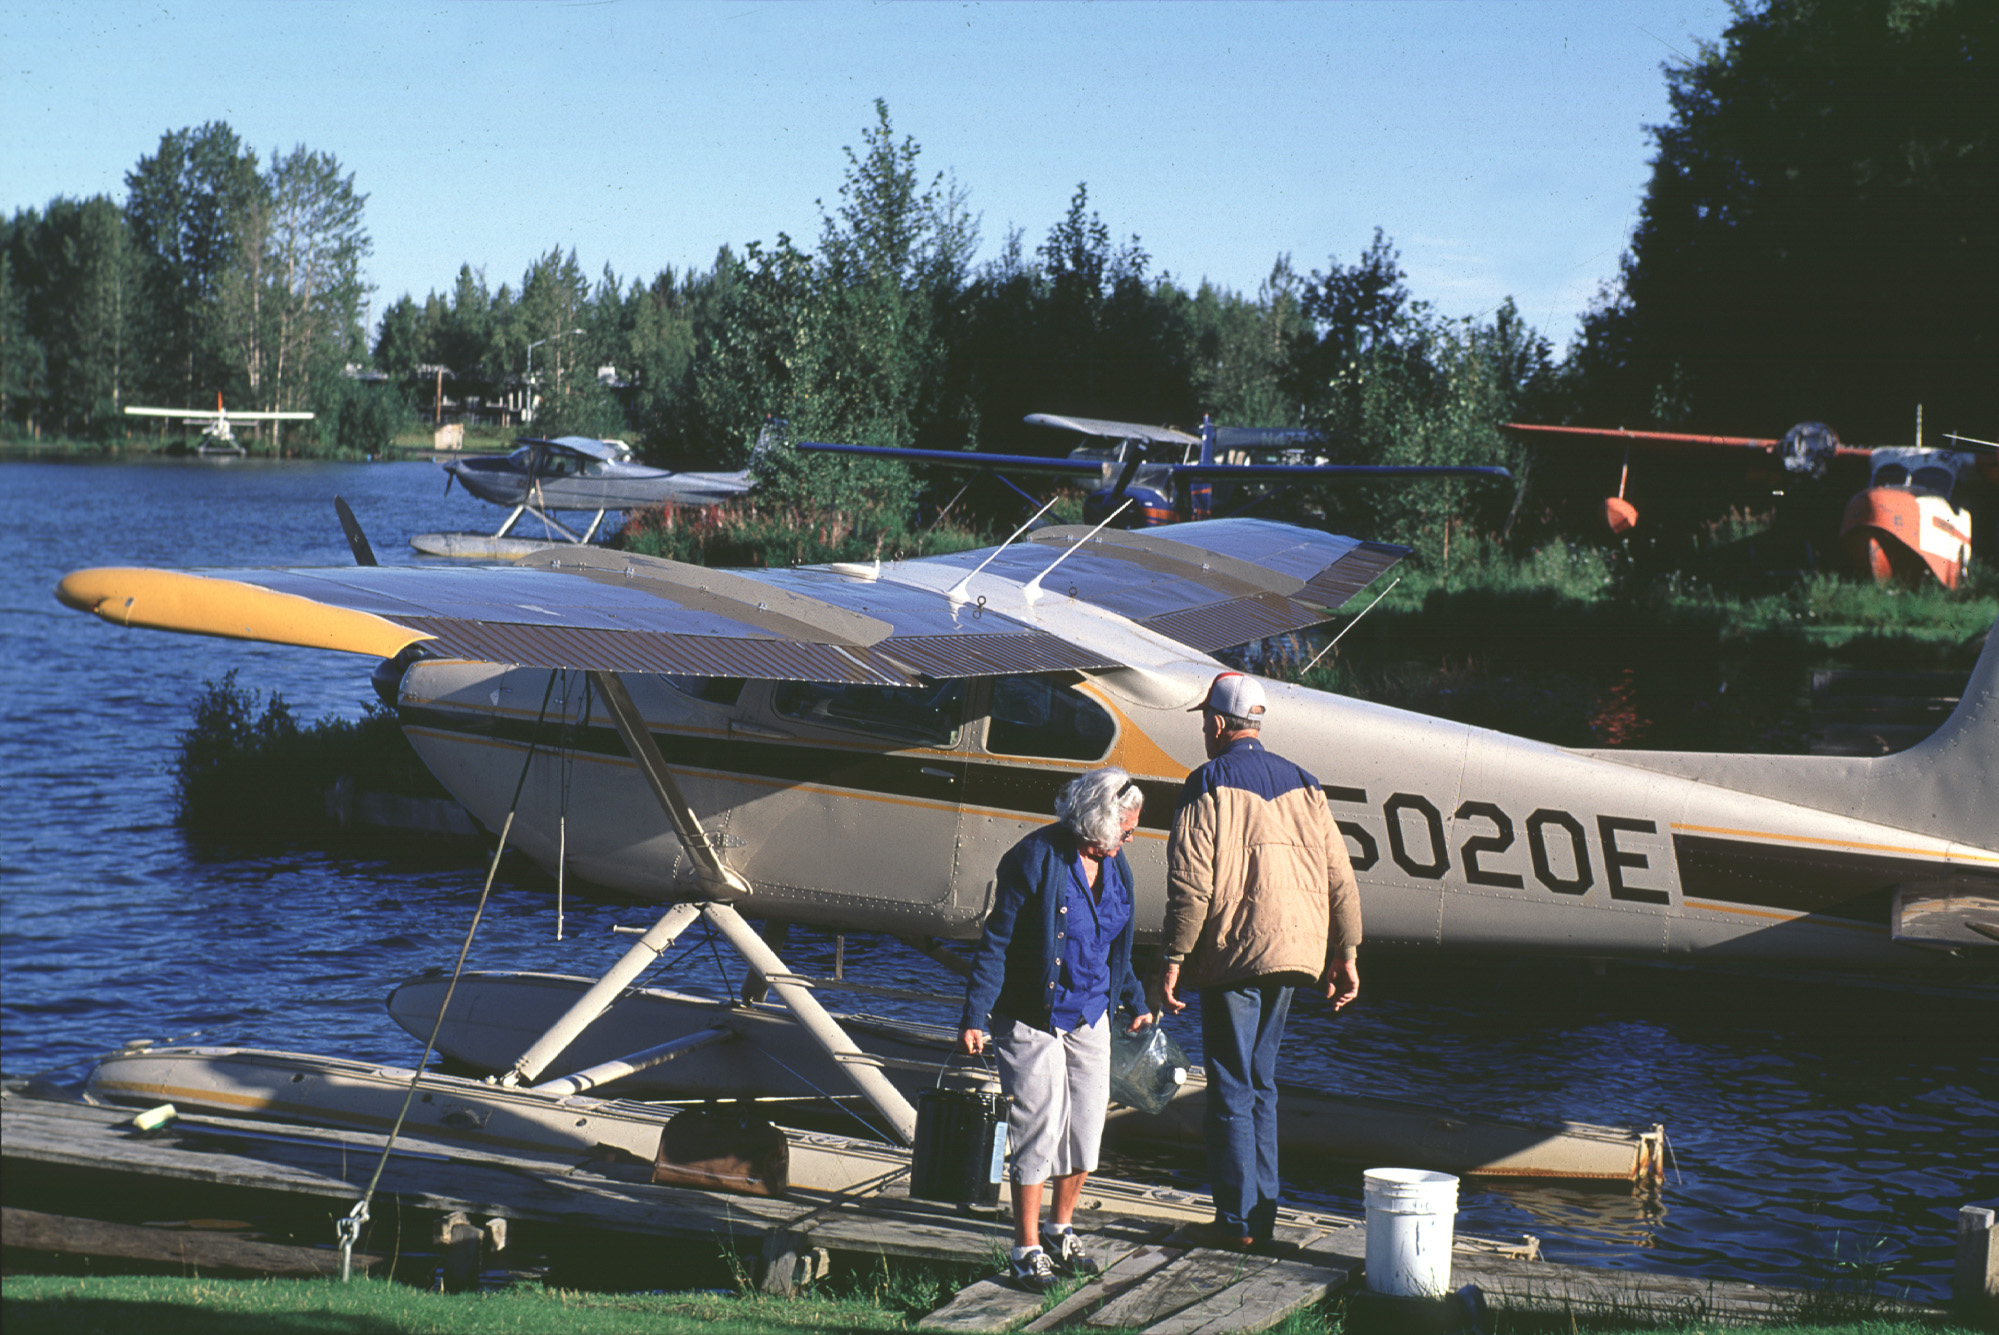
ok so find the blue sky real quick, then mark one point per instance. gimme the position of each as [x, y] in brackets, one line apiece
[1501, 146]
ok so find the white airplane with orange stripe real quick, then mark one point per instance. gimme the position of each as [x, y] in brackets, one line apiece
[857, 745]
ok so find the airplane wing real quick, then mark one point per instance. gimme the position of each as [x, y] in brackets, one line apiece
[1097, 426]
[1020, 463]
[1213, 584]
[1296, 472]
[1665, 439]
[211, 415]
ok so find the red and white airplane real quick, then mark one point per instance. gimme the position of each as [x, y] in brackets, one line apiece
[1908, 520]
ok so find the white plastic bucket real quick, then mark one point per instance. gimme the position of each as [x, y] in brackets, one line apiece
[1410, 1217]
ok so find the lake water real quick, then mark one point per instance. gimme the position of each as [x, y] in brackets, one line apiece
[1817, 1129]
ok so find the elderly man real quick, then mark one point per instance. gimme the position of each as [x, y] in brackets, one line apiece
[1260, 898]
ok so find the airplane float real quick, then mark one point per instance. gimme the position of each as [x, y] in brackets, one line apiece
[1126, 460]
[1908, 520]
[216, 436]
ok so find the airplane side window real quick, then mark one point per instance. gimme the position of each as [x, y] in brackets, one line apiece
[1890, 475]
[926, 715]
[1032, 716]
[1934, 479]
[715, 690]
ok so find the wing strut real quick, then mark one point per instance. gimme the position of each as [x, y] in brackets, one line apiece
[724, 882]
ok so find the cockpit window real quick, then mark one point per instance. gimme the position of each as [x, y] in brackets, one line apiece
[922, 715]
[715, 690]
[1933, 478]
[1033, 716]
[1890, 475]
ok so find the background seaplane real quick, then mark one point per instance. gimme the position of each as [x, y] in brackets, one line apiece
[856, 746]
[216, 437]
[1168, 475]
[1909, 518]
[570, 473]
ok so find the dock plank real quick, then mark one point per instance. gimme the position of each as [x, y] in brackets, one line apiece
[995, 1304]
[1198, 1274]
[336, 1165]
[194, 1249]
[1260, 1300]
[1540, 1286]
[1133, 1267]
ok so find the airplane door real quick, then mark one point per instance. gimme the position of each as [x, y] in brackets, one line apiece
[852, 796]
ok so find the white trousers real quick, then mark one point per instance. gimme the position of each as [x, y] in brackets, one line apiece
[1060, 1085]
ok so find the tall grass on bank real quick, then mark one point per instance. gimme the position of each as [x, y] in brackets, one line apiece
[248, 770]
[1567, 645]
[806, 511]
[61, 1305]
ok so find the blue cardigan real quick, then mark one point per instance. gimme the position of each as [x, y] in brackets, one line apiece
[1017, 966]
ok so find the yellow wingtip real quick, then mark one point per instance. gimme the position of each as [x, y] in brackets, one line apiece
[210, 605]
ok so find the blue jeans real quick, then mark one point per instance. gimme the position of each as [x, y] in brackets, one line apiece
[1241, 1028]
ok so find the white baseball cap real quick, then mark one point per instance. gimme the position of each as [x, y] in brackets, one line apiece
[1234, 694]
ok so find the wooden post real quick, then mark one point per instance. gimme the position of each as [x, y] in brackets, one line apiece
[1975, 1282]
[437, 406]
[460, 1239]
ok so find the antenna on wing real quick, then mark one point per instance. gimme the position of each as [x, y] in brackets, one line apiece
[1351, 624]
[1031, 592]
[957, 594]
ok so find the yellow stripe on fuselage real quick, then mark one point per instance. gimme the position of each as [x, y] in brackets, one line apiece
[205, 605]
[1956, 854]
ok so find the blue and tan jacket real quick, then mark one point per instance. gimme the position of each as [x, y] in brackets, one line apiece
[1258, 883]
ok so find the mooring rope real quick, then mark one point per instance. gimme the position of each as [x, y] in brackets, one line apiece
[348, 1227]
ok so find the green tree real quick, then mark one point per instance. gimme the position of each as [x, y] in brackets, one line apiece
[1820, 235]
[22, 387]
[187, 205]
[1242, 348]
[316, 242]
[75, 287]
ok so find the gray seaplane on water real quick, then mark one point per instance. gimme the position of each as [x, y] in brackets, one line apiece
[856, 745]
[575, 473]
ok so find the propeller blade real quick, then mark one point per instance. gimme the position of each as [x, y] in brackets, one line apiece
[450, 476]
[357, 541]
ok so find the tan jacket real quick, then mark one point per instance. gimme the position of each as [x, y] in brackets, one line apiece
[1258, 882]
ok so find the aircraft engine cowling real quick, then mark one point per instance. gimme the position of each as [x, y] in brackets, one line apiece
[1807, 449]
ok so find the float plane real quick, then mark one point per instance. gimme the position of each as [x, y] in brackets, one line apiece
[1909, 520]
[216, 437]
[572, 473]
[1122, 461]
[856, 745]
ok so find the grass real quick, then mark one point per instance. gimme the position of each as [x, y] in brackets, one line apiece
[1568, 645]
[65, 1305]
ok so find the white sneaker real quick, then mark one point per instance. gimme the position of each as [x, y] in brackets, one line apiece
[1033, 1271]
[1072, 1258]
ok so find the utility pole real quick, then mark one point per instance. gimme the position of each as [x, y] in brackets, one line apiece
[527, 415]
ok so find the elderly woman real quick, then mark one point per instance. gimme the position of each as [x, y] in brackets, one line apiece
[1051, 970]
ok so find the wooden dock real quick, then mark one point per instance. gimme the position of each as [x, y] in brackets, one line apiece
[1153, 1282]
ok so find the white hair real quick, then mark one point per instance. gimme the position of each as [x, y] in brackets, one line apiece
[1094, 805]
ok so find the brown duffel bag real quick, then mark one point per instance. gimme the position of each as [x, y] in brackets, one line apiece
[723, 1149]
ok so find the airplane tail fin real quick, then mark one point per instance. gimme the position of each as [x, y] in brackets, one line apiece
[1946, 786]
[1949, 782]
